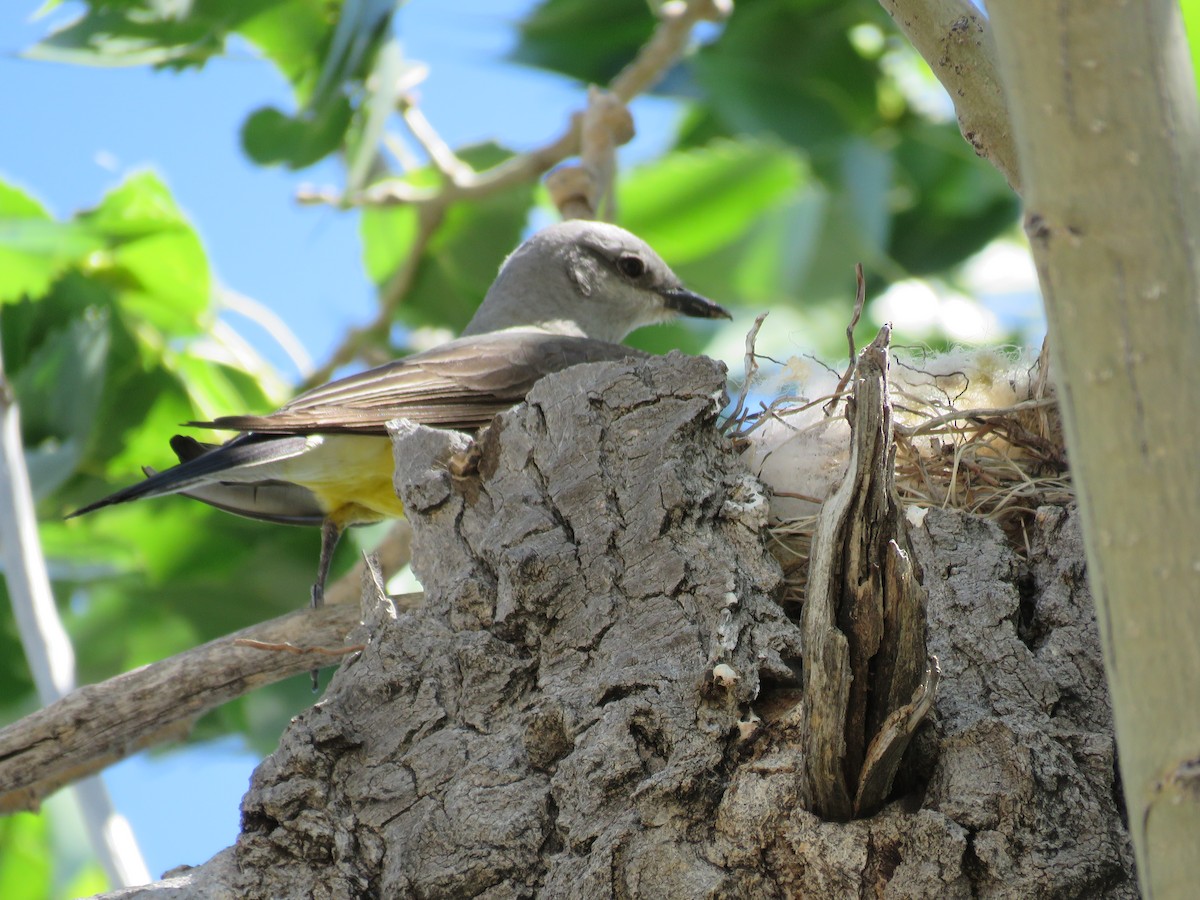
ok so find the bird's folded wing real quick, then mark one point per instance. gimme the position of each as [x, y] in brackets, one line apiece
[462, 384]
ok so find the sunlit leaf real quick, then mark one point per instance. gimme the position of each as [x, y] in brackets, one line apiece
[217, 389]
[387, 233]
[292, 35]
[34, 249]
[114, 37]
[155, 260]
[142, 33]
[26, 864]
[687, 205]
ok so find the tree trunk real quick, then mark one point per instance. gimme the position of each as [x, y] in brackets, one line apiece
[1107, 125]
[573, 712]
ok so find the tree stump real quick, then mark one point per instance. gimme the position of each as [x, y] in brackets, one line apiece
[572, 712]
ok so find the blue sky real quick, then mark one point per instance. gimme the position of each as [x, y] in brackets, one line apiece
[71, 133]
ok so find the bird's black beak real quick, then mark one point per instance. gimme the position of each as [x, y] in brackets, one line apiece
[686, 303]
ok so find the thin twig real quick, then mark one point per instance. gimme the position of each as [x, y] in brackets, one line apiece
[287, 647]
[934, 423]
[751, 365]
[860, 298]
[444, 159]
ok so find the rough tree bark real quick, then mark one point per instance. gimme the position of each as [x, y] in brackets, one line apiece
[572, 712]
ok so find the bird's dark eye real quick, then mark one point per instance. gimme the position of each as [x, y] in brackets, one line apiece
[631, 266]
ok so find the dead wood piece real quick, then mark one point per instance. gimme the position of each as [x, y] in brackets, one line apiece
[864, 615]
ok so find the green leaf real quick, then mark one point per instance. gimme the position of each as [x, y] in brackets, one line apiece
[156, 261]
[17, 204]
[34, 253]
[26, 860]
[464, 256]
[141, 205]
[272, 137]
[59, 390]
[789, 69]
[768, 266]
[148, 33]
[687, 205]
[134, 36]
[361, 24]
[217, 389]
[34, 249]
[583, 39]
[956, 203]
[136, 239]
[293, 36]
[1191, 22]
[387, 232]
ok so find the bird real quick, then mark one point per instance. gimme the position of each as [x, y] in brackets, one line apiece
[567, 295]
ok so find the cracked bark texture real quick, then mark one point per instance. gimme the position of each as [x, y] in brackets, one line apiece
[549, 724]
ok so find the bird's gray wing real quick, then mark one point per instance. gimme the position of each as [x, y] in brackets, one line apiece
[462, 384]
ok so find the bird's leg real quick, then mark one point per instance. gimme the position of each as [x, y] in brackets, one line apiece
[330, 534]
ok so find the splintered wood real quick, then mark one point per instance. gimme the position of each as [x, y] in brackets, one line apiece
[867, 681]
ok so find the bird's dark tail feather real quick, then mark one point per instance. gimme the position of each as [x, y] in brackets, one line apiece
[201, 466]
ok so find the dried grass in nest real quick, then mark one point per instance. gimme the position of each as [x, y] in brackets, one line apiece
[1000, 462]
[974, 430]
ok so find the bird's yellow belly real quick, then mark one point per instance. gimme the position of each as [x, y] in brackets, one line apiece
[351, 477]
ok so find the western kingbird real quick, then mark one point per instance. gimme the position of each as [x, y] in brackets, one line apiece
[567, 295]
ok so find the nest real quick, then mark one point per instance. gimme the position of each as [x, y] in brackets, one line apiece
[975, 429]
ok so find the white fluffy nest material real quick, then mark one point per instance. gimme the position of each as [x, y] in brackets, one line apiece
[975, 429]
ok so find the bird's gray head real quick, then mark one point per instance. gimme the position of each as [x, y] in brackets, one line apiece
[589, 279]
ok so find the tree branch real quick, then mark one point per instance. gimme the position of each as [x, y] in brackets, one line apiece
[1105, 114]
[100, 724]
[955, 39]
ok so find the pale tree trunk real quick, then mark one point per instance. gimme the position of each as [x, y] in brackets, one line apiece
[1103, 104]
[599, 697]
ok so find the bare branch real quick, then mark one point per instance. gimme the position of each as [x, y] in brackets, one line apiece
[100, 724]
[439, 152]
[668, 42]
[955, 39]
[587, 190]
